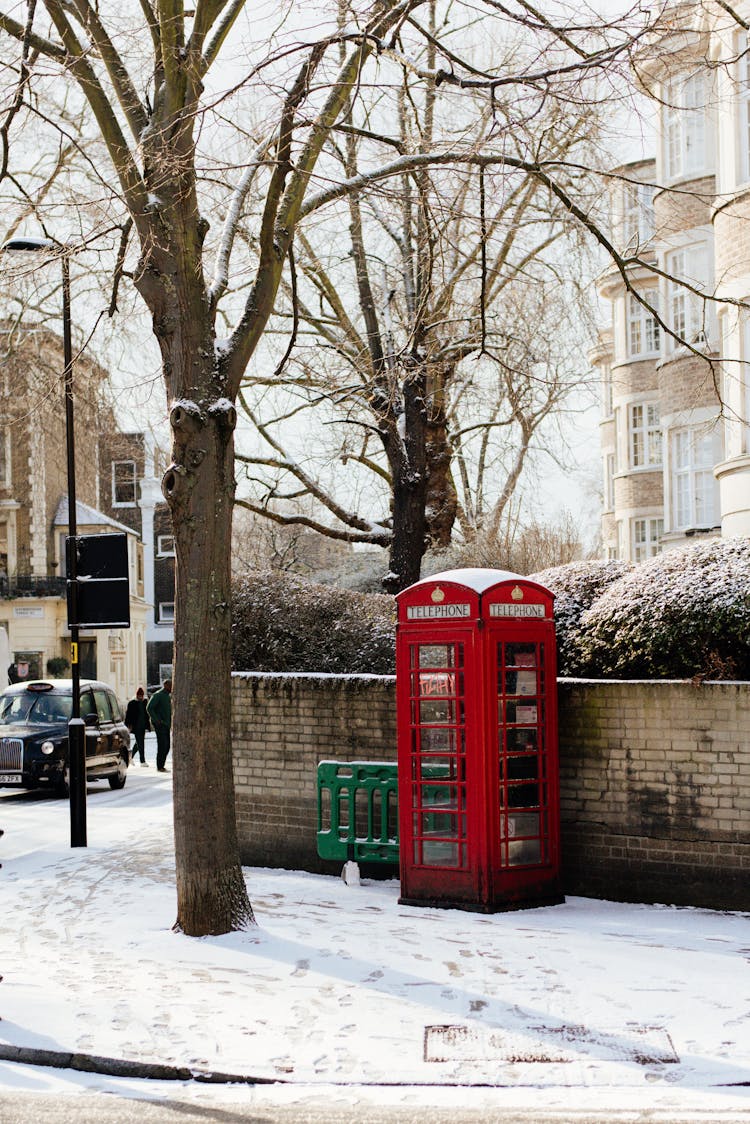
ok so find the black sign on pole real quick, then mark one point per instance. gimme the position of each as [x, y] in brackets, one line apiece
[100, 596]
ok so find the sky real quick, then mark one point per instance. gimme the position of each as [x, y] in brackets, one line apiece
[131, 353]
[339, 989]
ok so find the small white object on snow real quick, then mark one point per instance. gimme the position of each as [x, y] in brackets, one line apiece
[350, 873]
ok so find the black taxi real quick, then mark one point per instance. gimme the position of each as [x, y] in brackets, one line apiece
[34, 720]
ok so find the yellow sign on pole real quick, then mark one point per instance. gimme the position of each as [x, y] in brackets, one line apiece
[73, 653]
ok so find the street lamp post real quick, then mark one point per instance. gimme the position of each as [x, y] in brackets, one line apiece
[76, 727]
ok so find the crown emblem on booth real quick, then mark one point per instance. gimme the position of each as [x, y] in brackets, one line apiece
[517, 593]
[437, 594]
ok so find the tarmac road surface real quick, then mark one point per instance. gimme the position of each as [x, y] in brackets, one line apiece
[103, 1108]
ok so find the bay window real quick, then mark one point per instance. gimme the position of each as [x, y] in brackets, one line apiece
[644, 435]
[686, 312]
[643, 329]
[646, 538]
[695, 491]
[684, 117]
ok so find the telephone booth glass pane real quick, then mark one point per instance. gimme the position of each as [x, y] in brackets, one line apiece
[522, 754]
[438, 757]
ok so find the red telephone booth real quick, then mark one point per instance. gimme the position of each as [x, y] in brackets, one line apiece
[476, 680]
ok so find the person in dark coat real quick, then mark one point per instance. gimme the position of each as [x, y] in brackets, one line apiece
[137, 721]
[159, 709]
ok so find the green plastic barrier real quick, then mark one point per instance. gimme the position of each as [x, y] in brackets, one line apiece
[358, 811]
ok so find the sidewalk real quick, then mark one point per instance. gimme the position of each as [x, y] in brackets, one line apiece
[591, 1003]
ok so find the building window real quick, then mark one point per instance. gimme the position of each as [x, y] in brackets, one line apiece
[745, 386]
[123, 483]
[685, 308]
[743, 107]
[4, 456]
[644, 435]
[166, 612]
[620, 540]
[609, 482]
[165, 672]
[685, 126]
[165, 546]
[607, 400]
[646, 540]
[634, 215]
[643, 328]
[695, 498]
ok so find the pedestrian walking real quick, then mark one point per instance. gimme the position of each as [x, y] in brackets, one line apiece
[137, 721]
[159, 709]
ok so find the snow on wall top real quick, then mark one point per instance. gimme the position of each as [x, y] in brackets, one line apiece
[474, 577]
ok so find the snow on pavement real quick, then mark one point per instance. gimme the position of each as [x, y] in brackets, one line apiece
[341, 986]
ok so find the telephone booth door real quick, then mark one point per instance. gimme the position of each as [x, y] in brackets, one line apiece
[442, 822]
[524, 765]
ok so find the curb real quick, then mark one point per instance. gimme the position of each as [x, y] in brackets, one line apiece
[159, 1071]
[116, 1067]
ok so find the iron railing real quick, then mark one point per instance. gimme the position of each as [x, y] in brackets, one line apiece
[32, 585]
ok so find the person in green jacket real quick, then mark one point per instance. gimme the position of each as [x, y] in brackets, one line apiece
[159, 710]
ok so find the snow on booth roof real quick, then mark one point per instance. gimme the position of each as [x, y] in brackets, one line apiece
[474, 577]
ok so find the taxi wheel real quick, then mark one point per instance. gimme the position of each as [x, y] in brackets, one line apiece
[119, 778]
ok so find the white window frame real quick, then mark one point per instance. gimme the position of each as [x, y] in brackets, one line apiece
[124, 503]
[165, 546]
[686, 311]
[634, 222]
[166, 612]
[610, 462]
[695, 491]
[684, 126]
[645, 537]
[745, 390]
[644, 435]
[742, 103]
[607, 391]
[5, 462]
[642, 326]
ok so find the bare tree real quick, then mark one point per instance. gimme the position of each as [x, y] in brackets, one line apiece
[185, 142]
[433, 343]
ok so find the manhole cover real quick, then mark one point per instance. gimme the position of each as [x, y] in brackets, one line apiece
[646, 1045]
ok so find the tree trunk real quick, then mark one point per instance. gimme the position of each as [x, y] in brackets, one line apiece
[407, 456]
[441, 500]
[199, 488]
[211, 893]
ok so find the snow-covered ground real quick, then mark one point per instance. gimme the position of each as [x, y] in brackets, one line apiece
[589, 1003]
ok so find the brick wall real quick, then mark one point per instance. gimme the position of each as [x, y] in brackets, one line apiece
[685, 208]
[655, 791]
[655, 778]
[283, 725]
[686, 383]
[732, 239]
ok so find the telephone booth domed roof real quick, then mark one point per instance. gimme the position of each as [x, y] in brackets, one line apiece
[477, 578]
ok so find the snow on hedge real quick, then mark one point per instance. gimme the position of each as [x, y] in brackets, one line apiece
[576, 586]
[282, 622]
[683, 613]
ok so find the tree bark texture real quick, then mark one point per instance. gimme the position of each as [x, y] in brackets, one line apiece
[199, 488]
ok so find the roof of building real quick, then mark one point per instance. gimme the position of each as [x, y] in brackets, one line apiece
[87, 516]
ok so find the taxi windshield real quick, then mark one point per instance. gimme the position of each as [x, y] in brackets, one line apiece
[34, 709]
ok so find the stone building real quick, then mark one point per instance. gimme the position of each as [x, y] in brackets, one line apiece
[673, 363]
[34, 515]
[130, 468]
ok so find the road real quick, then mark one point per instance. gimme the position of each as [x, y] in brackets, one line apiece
[97, 1108]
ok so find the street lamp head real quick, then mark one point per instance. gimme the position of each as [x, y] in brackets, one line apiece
[33, 244]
